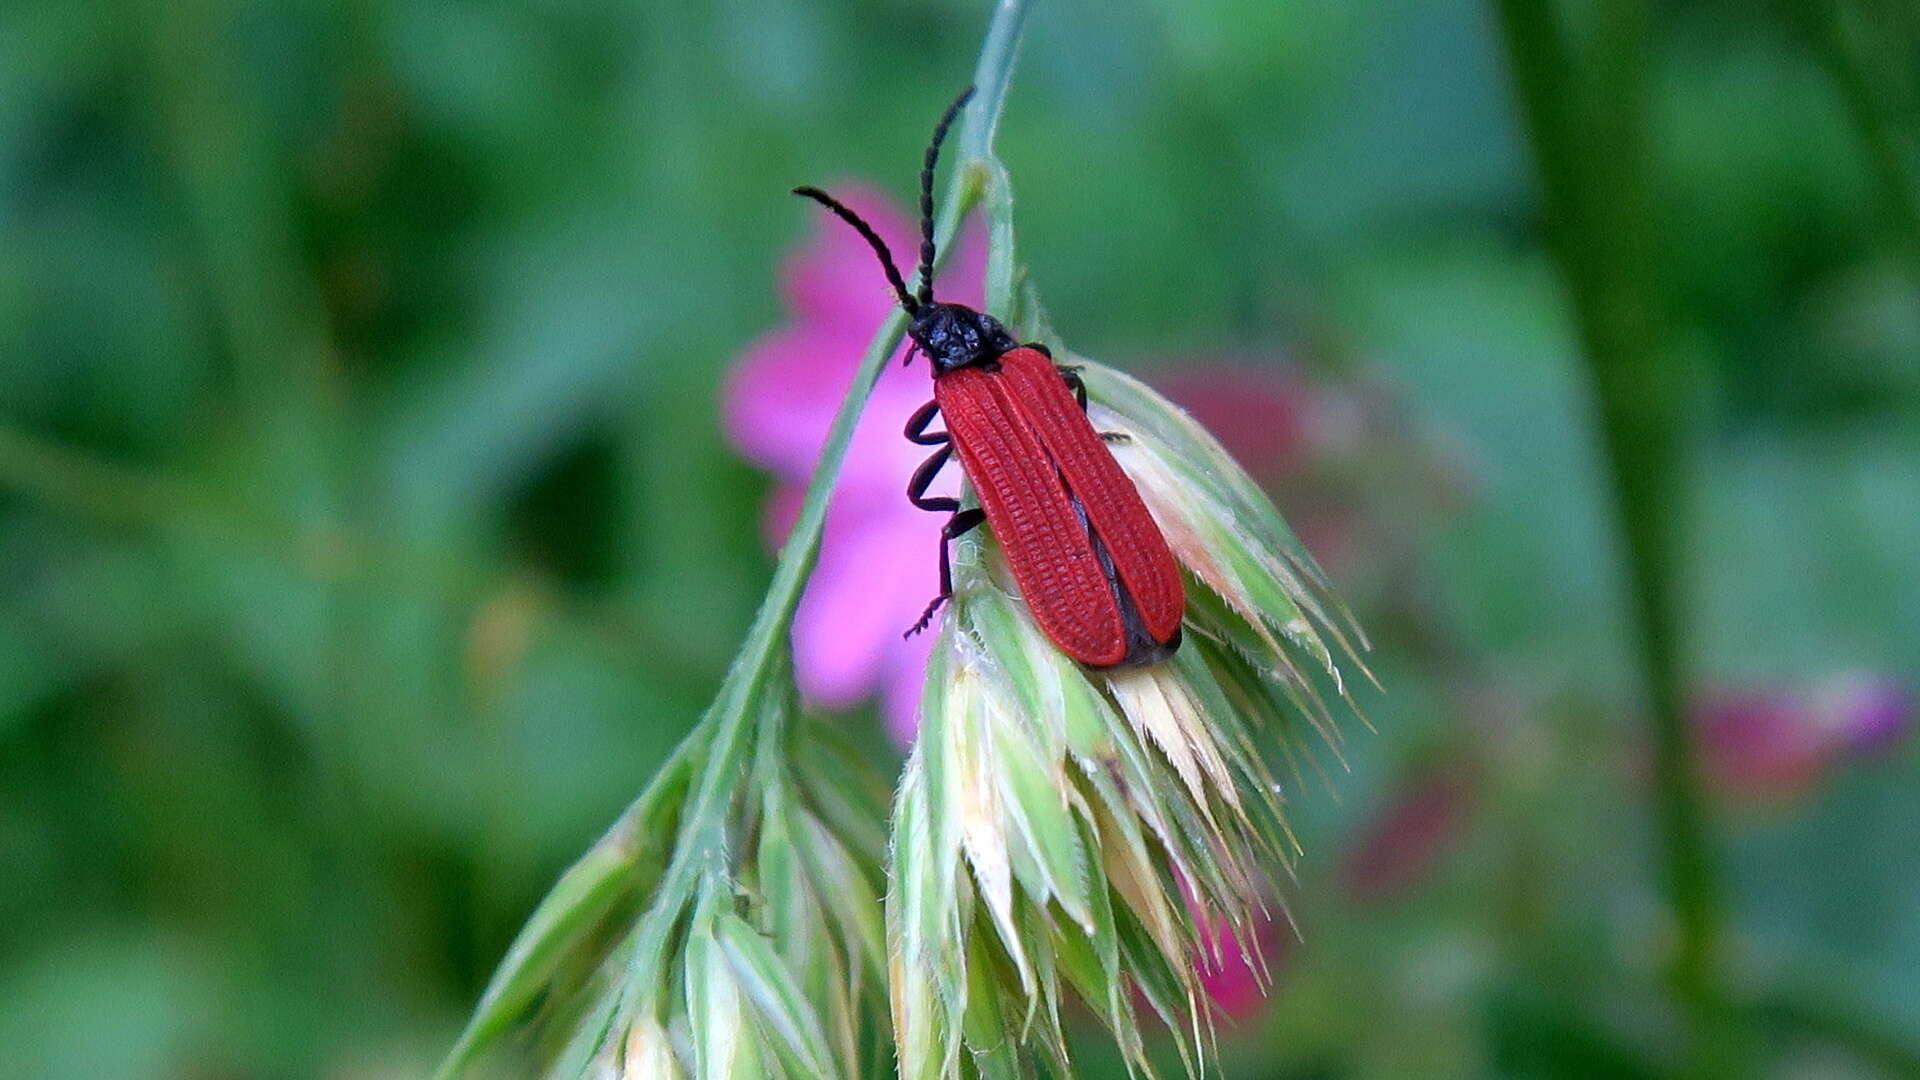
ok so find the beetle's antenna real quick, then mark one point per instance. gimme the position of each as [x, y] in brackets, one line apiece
[873, 240]
[926, 194]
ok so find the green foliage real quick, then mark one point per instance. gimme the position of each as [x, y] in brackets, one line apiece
[367, 538]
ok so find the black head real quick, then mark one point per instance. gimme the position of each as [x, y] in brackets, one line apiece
[952, 335]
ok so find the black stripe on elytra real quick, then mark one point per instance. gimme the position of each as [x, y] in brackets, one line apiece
[1142, 649]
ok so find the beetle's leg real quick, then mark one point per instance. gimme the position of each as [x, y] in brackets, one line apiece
[961, 523]
[957, 524]
[1071, 376]
[916, 430]
[923, 476]
[1039, 348]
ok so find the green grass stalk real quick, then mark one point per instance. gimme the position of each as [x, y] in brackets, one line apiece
[1585, 116]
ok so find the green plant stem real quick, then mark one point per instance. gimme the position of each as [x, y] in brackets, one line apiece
[976, 150]
[731, 736]
[1592, 156]
[728, 749]
[1836, 32]
[767, 638]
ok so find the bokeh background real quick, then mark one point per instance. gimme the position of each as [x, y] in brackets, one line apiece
[367, 532]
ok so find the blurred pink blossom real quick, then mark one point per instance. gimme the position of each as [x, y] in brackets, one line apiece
[1235, 985]
[878, 563]
[1400, 845]
[1267, 418]
[878, 557]
[1277, 427]
[1776, 744]
[1332, 452]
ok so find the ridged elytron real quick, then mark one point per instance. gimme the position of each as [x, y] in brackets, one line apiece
[1088, 558]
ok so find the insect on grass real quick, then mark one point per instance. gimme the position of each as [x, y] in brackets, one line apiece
[1091, 563]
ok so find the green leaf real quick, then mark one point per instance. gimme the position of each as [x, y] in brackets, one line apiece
[591, 887]
[844, 892]
[724, 1047]
[922, 923]
[1038, 800]
[777, 1002]
[991, 1036]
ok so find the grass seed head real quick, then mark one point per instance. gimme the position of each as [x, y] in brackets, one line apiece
[1065, 832]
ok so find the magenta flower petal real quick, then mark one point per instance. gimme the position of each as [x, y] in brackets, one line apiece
[780, 398]
[870, 586]
[1867, 713]
[1760, 744]
[835, 279]
[1777, 743]
[877, 561]
[1406, 838]
[905, 677]
[880, 458]
[1264, 418]
[1236, 988]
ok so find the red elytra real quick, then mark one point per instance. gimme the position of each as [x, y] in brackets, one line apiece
[1086, 554]
[1057, 501]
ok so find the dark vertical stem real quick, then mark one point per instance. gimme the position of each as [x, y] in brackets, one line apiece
[1586, 118]
[1835, 31]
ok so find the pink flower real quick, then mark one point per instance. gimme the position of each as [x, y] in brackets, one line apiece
[879, 555]
[1267, 418]
[1867, 714]
[1307, 439]
[878, 558]
[1282, 431]
[1400, 846]
[1776, 744]
[1236, 986]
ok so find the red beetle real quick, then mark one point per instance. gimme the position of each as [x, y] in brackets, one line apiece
[1086, 554]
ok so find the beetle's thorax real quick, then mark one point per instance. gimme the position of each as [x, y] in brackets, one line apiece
[955, 336]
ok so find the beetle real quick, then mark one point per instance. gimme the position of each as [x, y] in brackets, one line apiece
[1088, 558]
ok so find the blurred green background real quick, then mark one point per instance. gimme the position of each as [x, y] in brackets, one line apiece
[367, 536]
